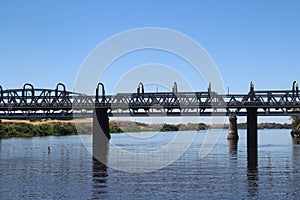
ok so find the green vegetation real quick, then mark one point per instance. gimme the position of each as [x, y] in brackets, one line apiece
[190, 126]
[274, 126]
[115, 129]
[125, 126]
[169, 127]
[259, 126]
[267, 126]
[30, 130]
[10, 129]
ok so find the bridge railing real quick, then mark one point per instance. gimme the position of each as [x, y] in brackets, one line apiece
[59, 101]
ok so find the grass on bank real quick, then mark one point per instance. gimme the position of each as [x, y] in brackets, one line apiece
[30, 130]
[33, 128]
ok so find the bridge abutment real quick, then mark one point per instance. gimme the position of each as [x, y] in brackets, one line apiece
[101, 135]
[252, 137]
[232, 128]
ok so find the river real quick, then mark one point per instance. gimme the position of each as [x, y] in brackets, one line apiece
[28, 171]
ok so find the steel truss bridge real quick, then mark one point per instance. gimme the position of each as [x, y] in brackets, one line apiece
[29, 102]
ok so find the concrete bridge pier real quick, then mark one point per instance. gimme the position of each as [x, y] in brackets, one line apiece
[252, 137]
[101, 135]
[232, 129]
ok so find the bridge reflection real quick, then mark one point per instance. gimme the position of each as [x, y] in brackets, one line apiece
[233, 149]
[99, 177]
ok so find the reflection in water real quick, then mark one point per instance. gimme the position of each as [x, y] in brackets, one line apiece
[252, 172]
[233, 160]
[233, 147]
[28, 172]
[100, 154]
[99, 177]
[99, 167]
[296, 162]
[296, 154]
[252, 177]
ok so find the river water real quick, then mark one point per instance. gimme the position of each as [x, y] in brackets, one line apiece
[28, 171]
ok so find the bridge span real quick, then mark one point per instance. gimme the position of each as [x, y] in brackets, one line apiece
[59, 103]
[29, 102]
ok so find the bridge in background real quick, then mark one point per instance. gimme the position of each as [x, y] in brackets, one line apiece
[58, 103]
[29, 102]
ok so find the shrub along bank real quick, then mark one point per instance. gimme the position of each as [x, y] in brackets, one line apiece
[30, 130]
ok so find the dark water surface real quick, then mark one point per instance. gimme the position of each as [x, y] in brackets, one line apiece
[27, 171]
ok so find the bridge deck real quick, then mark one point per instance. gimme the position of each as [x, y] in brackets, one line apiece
[62, 104]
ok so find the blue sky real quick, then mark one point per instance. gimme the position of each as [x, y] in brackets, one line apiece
[45, 42]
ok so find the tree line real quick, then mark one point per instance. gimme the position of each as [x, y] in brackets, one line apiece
[30, 130]
[8, 130]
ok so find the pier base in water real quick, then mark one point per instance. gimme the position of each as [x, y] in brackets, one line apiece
[295, 136]
[232, 129]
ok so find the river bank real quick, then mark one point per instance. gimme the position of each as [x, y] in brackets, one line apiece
[38, 128]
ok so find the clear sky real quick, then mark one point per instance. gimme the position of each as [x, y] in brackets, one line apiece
[45, 42]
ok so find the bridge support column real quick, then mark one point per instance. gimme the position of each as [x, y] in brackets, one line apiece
[252, 137]
[232, 128]
[101, 134]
